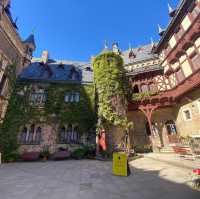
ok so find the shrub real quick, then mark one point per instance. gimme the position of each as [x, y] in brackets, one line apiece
[12, 157]
[84, 152]
[78, 154]
[105, 154]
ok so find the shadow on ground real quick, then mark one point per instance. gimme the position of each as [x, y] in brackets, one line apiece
[87, 179]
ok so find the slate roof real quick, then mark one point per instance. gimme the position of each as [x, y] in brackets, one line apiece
[30, 40]
[145, 69]
[54, 71]
[141, 54]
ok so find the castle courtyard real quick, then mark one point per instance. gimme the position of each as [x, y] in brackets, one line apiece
[88, 179]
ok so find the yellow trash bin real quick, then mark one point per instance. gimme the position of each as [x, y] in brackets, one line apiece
[120, 164]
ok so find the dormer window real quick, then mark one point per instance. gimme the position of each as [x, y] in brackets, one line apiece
[131, 55]
[88, 68]
[61, 65]
[74, 75]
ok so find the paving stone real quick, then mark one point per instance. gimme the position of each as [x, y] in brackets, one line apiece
[94, 180]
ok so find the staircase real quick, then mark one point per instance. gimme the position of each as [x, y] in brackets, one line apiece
[167, 149]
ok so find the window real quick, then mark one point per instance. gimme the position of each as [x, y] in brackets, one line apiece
[187, 114]
[180, 75]
[23, 135]
[72, 97]
[180, 32]
[152, 87]
[30, 136]
[144, 88]
[68, 135]
[194, 11]
[74, 75]
[62, 135]
[171, 127]
[196, 61]
[69, 132]
[38, 97]
[38, 135]
[3, 80]
[136, 89]
[198, 104]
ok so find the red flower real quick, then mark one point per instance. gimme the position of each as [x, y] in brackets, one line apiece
[196, 171]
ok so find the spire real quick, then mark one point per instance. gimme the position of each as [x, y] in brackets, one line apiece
[172, 11]
[129, 45]
[161, 30]
[31, 40]
[105, 44]
[152, 42]
[105, 49]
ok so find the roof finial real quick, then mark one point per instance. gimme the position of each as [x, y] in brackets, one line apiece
[171, 11]
[161, 30]
[130, 47]
[33, 31]
[105, 44]
[152, 42]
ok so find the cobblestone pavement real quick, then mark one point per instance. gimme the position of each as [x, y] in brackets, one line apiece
[87, 179]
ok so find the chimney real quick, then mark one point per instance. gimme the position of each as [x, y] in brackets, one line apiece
[45, 56]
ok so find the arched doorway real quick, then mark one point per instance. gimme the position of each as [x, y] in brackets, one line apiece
[171, 131]
[154, 129]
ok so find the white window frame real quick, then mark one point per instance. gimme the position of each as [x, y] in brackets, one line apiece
[198, 104]
[184, 116]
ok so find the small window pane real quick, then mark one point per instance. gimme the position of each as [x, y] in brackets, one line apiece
[187, 114]
[23, 135]
[38, 135]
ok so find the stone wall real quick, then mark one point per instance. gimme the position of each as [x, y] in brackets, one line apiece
[49, 138]
[184, 127]
[191, 102]
[140, 136]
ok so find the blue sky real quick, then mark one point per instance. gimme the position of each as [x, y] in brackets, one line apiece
[77, 29]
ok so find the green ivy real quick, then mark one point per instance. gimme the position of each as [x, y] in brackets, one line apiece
[112, 89]
[143, 95]
[55, 111]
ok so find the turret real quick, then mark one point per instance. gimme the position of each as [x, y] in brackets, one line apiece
[115, 48]
[30, 43]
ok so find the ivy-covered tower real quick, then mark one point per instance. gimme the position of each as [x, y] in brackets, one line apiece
[111, 88]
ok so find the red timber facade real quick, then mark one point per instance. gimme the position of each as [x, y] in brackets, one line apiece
[170, 108]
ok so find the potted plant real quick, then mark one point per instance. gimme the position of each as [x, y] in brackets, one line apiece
[45, 153]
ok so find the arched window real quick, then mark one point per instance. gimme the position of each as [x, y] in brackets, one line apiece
[23, 135]
[144, 88]
[31, 134]
[69, 133]
[62, 136]
[136, 89]
[171, 127]
[76, 135]
[38, 135]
